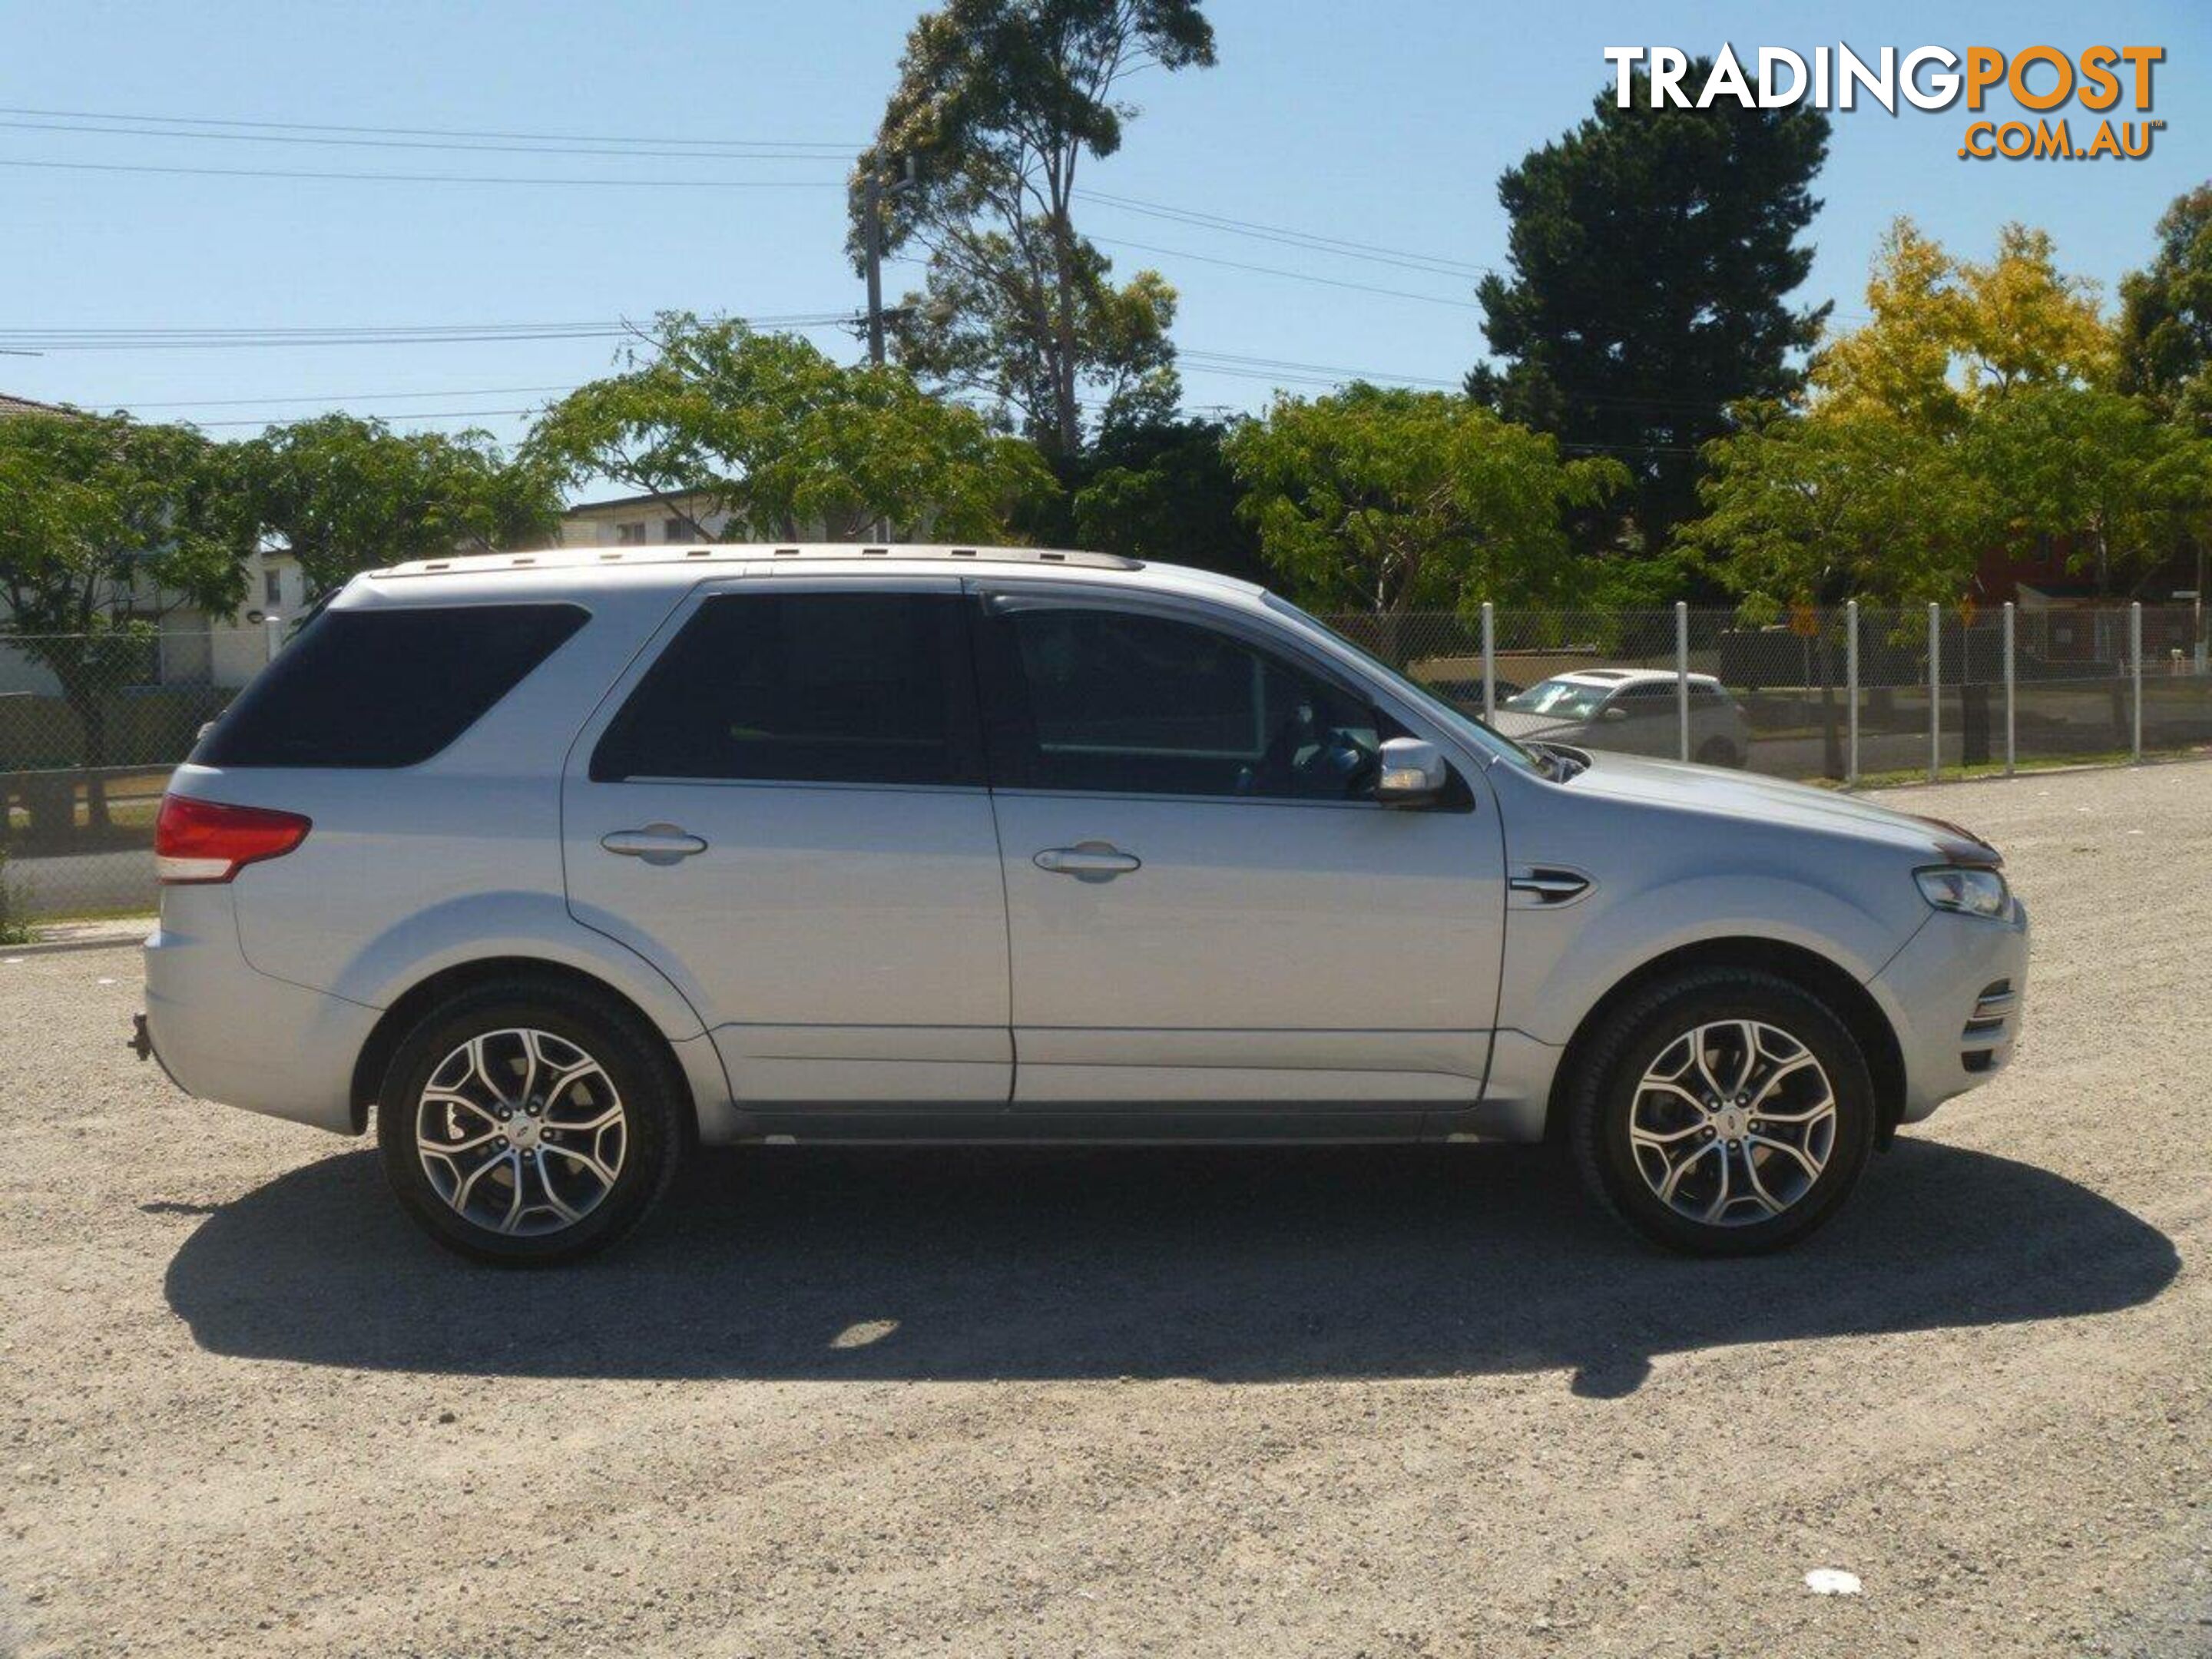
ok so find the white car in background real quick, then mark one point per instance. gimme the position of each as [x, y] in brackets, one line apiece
[1629, 710]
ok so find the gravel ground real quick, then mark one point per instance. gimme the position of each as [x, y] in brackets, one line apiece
[1382, 1402]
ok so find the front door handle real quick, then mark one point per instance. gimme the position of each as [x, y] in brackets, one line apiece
[657, 843]
[1088, 861]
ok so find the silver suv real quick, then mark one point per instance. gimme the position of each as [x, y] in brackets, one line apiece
[560, 864]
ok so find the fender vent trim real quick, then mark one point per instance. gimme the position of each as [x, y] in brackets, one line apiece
[1545, 886]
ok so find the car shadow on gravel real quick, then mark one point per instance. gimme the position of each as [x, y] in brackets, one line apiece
[1258, 1265]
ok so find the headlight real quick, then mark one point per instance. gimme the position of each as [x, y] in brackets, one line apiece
[1964, 889]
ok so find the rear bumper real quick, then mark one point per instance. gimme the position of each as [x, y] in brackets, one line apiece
[1955, 996]
[226, 1032]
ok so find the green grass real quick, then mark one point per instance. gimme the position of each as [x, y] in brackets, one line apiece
[1908, 776]
[14, 929]
[119, 913]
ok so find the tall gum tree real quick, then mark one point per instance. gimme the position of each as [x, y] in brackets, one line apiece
[998, 105]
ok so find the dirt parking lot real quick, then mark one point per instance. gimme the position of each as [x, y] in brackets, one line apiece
[1384, 1403]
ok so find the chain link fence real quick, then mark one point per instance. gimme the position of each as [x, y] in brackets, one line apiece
[1854, 694]
[90, 727]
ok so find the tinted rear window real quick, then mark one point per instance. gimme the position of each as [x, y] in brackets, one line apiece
[385, 688]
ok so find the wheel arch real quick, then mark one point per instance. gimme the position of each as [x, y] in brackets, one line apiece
[1834, 985]
[441, 987]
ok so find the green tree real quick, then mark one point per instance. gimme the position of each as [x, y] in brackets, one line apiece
[1163, 490]
[1390, 499]
[347, 493]
[2165, 333]
[1845, 502]
[2124, 489]
[770, 430]
[1650, 254]
[2165, 317]
[1812, 509]
[998, 103]
[107, 525]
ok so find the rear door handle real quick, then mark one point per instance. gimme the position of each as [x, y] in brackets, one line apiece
[1089, 860]
[657, 843]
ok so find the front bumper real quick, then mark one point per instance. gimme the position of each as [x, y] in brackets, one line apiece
[1955, 996]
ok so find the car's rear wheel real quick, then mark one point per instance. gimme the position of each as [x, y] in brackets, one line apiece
[1725, 1112]
[525, 1123]
[1717, 751]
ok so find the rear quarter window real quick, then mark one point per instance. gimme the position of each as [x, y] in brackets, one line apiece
[385, 688]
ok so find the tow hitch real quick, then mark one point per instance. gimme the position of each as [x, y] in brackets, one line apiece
[142, 1043]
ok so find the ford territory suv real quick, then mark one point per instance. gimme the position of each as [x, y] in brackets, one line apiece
[558, 866]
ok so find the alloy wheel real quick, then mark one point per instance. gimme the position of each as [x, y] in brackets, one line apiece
[520, 1131]
[1733, 1123]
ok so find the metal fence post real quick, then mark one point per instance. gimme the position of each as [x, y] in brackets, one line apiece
[1489, 661]
[1851, 690]
[1682, 675]
[2135, 672]
[1935, 691]
[2012, 684]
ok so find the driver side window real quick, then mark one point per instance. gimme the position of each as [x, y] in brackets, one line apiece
[1125, 703]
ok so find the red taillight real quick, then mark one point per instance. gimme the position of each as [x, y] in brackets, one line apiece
[207, 840]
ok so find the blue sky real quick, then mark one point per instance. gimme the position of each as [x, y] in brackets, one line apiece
[1385, 125]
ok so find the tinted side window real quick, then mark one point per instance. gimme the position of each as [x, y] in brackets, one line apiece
[1131, 703]
[385, 688]
[805, 688]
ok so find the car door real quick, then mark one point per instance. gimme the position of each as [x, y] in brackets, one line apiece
[783, 808]
[1205, 906]
[1653, 724]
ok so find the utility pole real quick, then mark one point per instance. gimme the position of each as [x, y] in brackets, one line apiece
[872, 239]
[872, 193]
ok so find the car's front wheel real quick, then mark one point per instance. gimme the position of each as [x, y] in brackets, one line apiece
[1725, 1112]
[527, 1123]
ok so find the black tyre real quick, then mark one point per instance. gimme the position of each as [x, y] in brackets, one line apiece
[1723, 1112]
[530, 1123]
[1719, 751]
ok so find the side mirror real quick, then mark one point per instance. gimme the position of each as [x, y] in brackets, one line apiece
[1413, 773]
[1615, 713]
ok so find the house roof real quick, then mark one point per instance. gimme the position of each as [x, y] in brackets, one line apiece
[14, 405]
[615, 503]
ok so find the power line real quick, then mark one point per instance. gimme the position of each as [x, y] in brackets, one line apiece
[731, 149]
[336, 397]
[434, 178]
[427, 415]
[1436, 264]
[839, 157]
[136, 339]
[1296, 276]
[423, 132]
[1280, 371]
[1204, 359]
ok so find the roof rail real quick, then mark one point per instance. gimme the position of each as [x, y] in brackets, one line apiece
[736, 552]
